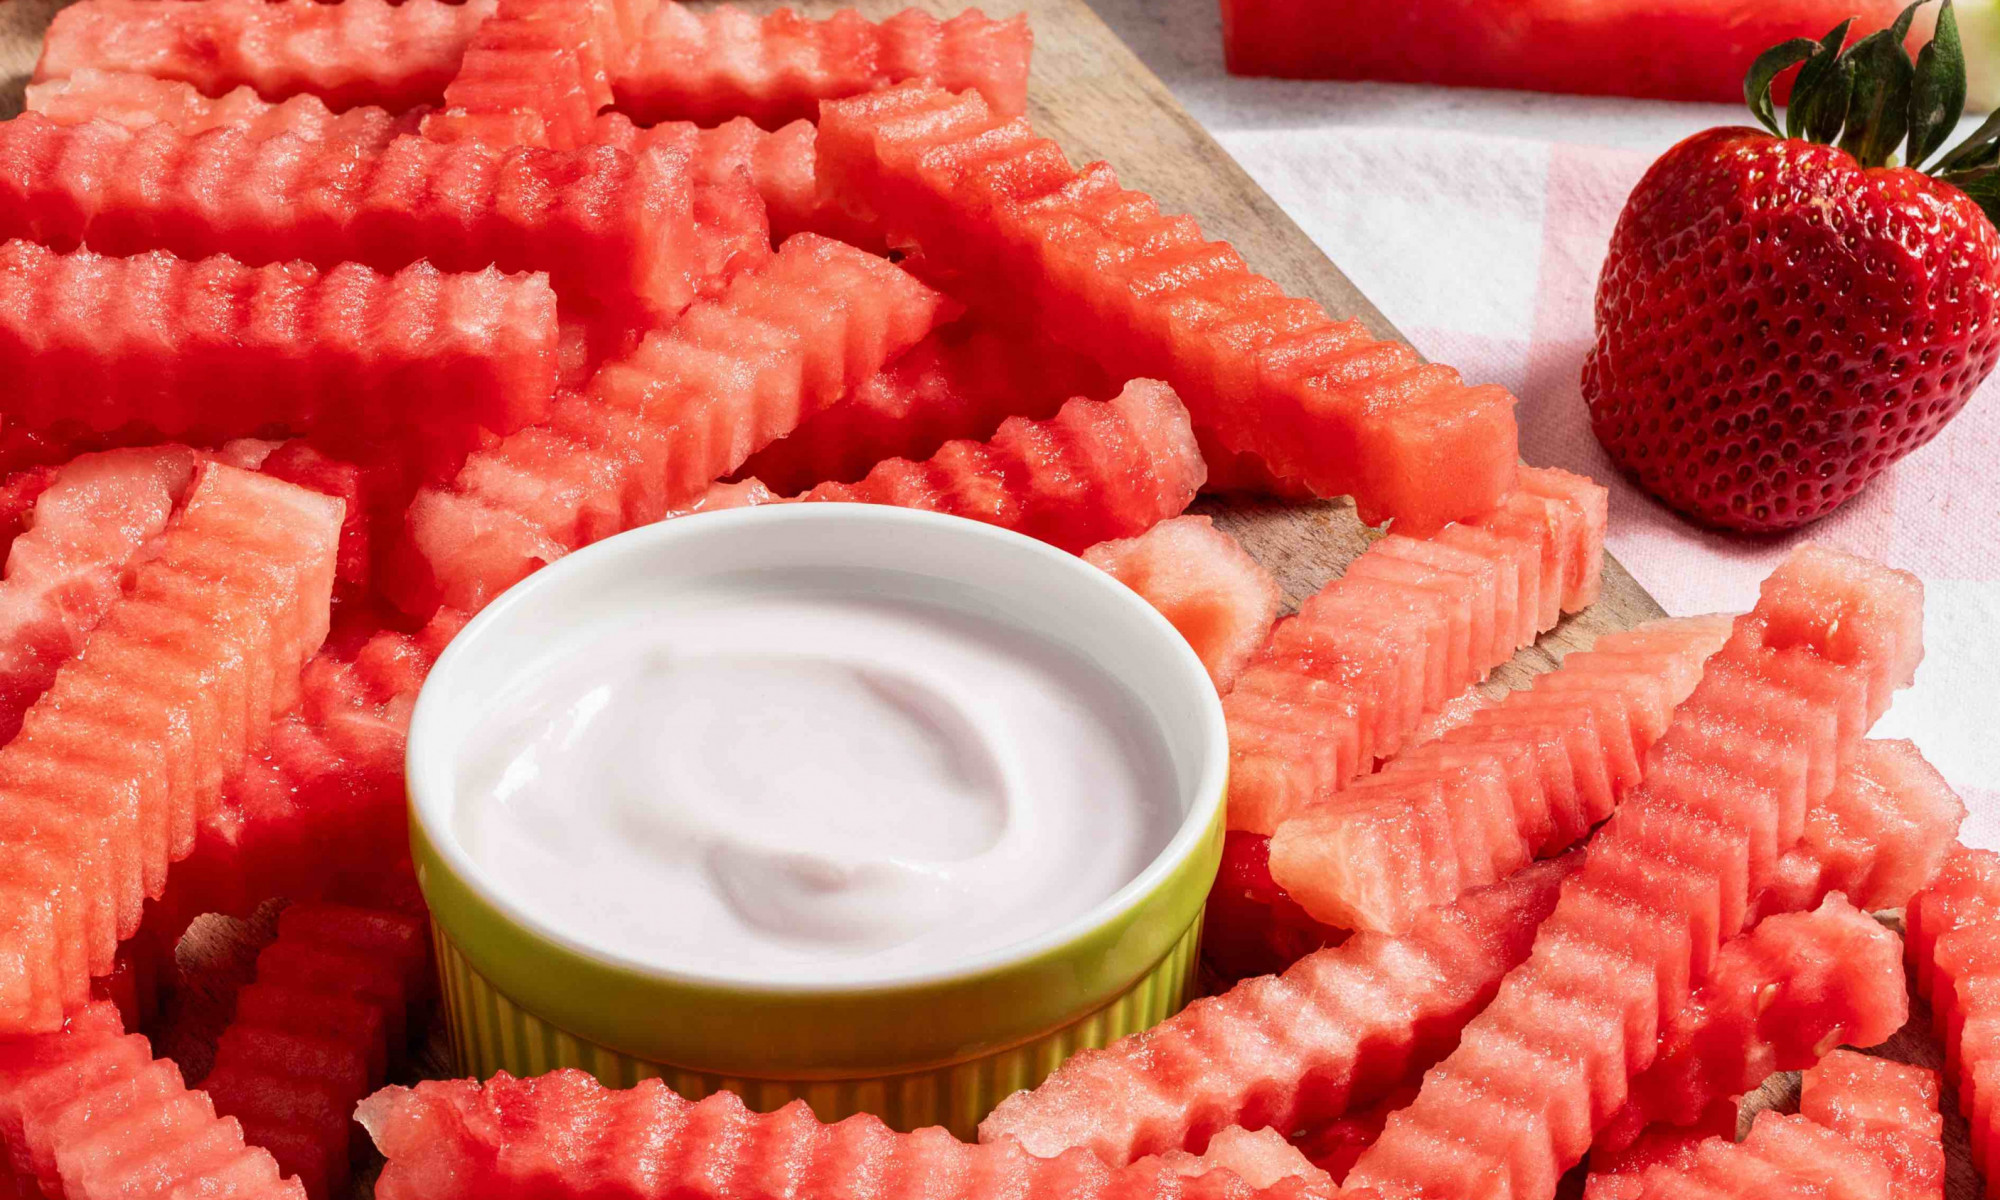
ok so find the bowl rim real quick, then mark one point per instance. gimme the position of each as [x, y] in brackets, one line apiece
[427, 766]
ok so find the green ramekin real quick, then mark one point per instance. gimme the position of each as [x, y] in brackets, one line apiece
[935, 1049]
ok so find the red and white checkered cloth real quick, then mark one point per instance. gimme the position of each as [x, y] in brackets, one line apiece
[1484, 249]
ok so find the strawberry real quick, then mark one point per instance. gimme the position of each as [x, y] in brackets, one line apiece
[1781, 317]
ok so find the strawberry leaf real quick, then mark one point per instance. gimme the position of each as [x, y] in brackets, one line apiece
[1879, 114]
[1937, 96]
[1980, 150]
[1984, 188]
[1821, 94]
[1765, 71]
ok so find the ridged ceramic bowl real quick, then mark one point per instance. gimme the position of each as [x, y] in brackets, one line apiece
[940, 1048]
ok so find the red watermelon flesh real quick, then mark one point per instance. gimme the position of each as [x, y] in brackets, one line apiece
[612, 230]
[136, 101]
[1965, 891]
[959, 383]
[1250, 926]
[393, 55]
[710, 64]
[1879, 836]
[213, 349]
[64, 573]
[1336, 1031]
[1412, 624]
[1334, 1146]
[1888, 1107]
[300, 463]
[1204, 582]
[1259, 1158]
[1784, 1158]
[564, 1134]
[1621, 1176]
[188, 666]
[686, 408]
[533, 75]
[1465, 809]
[1100, 268]
[1097, 470]
[1676, 871]
[90, 1115]
[1777, 999]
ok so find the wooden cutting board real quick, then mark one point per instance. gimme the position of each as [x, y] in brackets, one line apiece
[1094, 96]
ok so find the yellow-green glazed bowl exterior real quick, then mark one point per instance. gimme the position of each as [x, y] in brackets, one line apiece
[935, 1049]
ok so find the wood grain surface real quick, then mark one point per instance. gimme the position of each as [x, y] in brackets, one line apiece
[1094, 96]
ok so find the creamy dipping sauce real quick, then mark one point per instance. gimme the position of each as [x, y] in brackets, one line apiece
[811, 785]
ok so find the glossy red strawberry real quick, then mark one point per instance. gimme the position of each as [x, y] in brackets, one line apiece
[1780, 319]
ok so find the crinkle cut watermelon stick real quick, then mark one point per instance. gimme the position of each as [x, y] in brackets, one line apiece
[136, 101]
[124, 754]
[534, 74]
[687, 407]
[1204, 582]
[1260, 1158]
[211, 349]
[1888, 1107]
[1412, 623]
[65, 571]
[565, 1134]
[1778, 715]
[710, 64]
[959, 383]
[1954, 948]
[1519, 780]
[315, 1032]
[612, 230]
[394, 54]
[87, 1113]
[1622, 1176]
[1784, 1156]
[1779, 997]
[322, 812]
[1101, 268]
[1337, 1030]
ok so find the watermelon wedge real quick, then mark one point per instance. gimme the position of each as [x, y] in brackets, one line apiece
[1621, 1176]
[1519, 780]
[959, 383]
[613, 231]
[1679, 50]
[1260, 1158]
[1252, 926]
[1778, 714]
[188, 666]
[1888, 1107]
[1784, 1157]
[687, 407]
[1099, 267]
[1336, 1031]
[532, 75]
[63, 573]
[136, 101]
[1881, 835]
[212, 349]
[307, 1044]
[1954, 949]
[710, 64]
[565, 1134]
[1097, 470]
[87, 1113]
[1779, 996]
[1413, 623]
[1205, 582]
[378, 52]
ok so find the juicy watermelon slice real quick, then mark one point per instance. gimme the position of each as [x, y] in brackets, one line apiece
[533, 75]
[1260, 1158]
[1888, 1107]
[1784, 1157]
[565, 1134]
[1334, 1146]
[1336, 1031]
[87, 1113]
[1204, 582]
[684, 409]
[305, 1048]
[212, 349]
[611, 230]
[1668, 877]
[136, 101]
[393, 55]
[1099, 267]
[1778, 996]
[1621, 1176]
[1469, 808]
[64, 572]
[188, 666]
[710, 64]
[959, 383]
[1954, 949]
[1097, 470]
[1251, 926]
[1413, 623]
